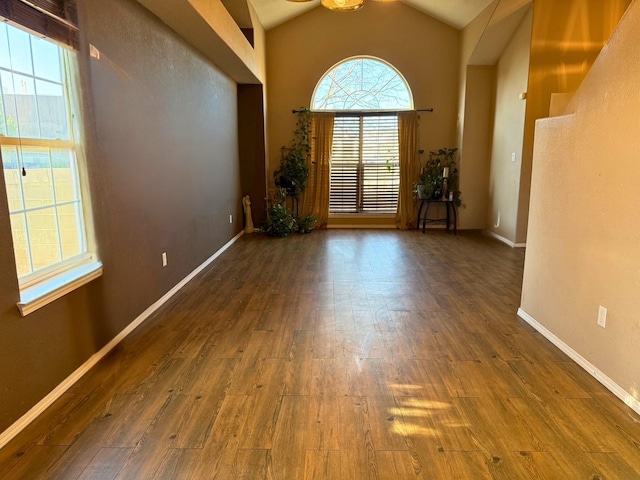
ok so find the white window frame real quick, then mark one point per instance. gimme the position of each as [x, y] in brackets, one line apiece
[47, 284]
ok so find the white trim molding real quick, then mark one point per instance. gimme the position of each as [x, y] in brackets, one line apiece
[594, 371]
[42, 405]
[504, 240]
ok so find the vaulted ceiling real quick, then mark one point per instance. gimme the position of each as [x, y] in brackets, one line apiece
[457, 13]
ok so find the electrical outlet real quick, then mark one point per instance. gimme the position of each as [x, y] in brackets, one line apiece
[230, 218]
[513, 156]
[602, 316]
[164, 259]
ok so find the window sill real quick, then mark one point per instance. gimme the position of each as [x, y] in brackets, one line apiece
[362, 215]
[43, 293]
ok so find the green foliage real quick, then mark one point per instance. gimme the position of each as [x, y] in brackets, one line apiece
[431, 177]
[307, 223]
[280, 221]
[294, 159]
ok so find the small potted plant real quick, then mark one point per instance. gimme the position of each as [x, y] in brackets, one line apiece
[306, 224]
[280, 220]
[430, 182]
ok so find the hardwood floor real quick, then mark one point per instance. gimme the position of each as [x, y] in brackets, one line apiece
[337, 355]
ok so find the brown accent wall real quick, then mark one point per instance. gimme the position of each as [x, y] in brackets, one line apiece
[251, 136]
[162, 148]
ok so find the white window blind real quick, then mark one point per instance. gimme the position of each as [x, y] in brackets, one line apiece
[365, 172]
[55, 19]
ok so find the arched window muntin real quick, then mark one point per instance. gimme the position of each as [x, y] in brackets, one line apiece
[388, 90]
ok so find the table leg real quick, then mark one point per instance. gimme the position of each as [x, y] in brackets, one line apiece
[455, 218]
[426, 215]
[448, 220]
[419, 212]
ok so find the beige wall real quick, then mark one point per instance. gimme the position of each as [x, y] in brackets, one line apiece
[475, 111]
[476, 145]
[582, 249]
[424, 50]
[469, 38]
[483, 42]
[259, 44]
[508, 129]
[210, 28]
[566, 39]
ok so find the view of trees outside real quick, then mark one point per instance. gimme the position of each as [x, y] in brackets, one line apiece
[362, 84]
[37, 152]
[365, 172]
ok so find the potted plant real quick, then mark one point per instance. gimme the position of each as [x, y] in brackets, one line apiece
[280, 220]
[294, 159]
[430, 182]
[306, 224]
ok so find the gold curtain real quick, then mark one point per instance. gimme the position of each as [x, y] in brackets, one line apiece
[315, 200]
[407, 213]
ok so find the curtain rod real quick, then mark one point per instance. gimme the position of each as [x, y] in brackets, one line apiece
[347, 113]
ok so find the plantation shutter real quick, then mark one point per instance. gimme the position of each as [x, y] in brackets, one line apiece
[380, 178]
[364, 165]
[55, 19]
[345, 165]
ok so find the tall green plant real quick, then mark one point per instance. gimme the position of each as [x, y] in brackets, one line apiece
[294, 159]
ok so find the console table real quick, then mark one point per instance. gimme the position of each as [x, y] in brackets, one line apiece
[450, 207]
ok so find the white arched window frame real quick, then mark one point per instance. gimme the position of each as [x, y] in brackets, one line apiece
[362, 83]
[366, 93]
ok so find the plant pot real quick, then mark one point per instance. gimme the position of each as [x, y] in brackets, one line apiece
[424, 191]
[288, 185]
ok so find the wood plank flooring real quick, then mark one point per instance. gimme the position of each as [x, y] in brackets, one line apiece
[337, 355]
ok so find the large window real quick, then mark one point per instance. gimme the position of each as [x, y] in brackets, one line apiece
[365, 93]
[364, 165]
[39, 148]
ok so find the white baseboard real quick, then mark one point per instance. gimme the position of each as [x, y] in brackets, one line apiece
[504, 240]
[595, 372]
[42, 405]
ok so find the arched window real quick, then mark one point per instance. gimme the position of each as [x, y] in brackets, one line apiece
[365, 93]
[362, 83]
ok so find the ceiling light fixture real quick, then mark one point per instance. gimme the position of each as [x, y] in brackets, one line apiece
[340, 5]
[343, 5]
